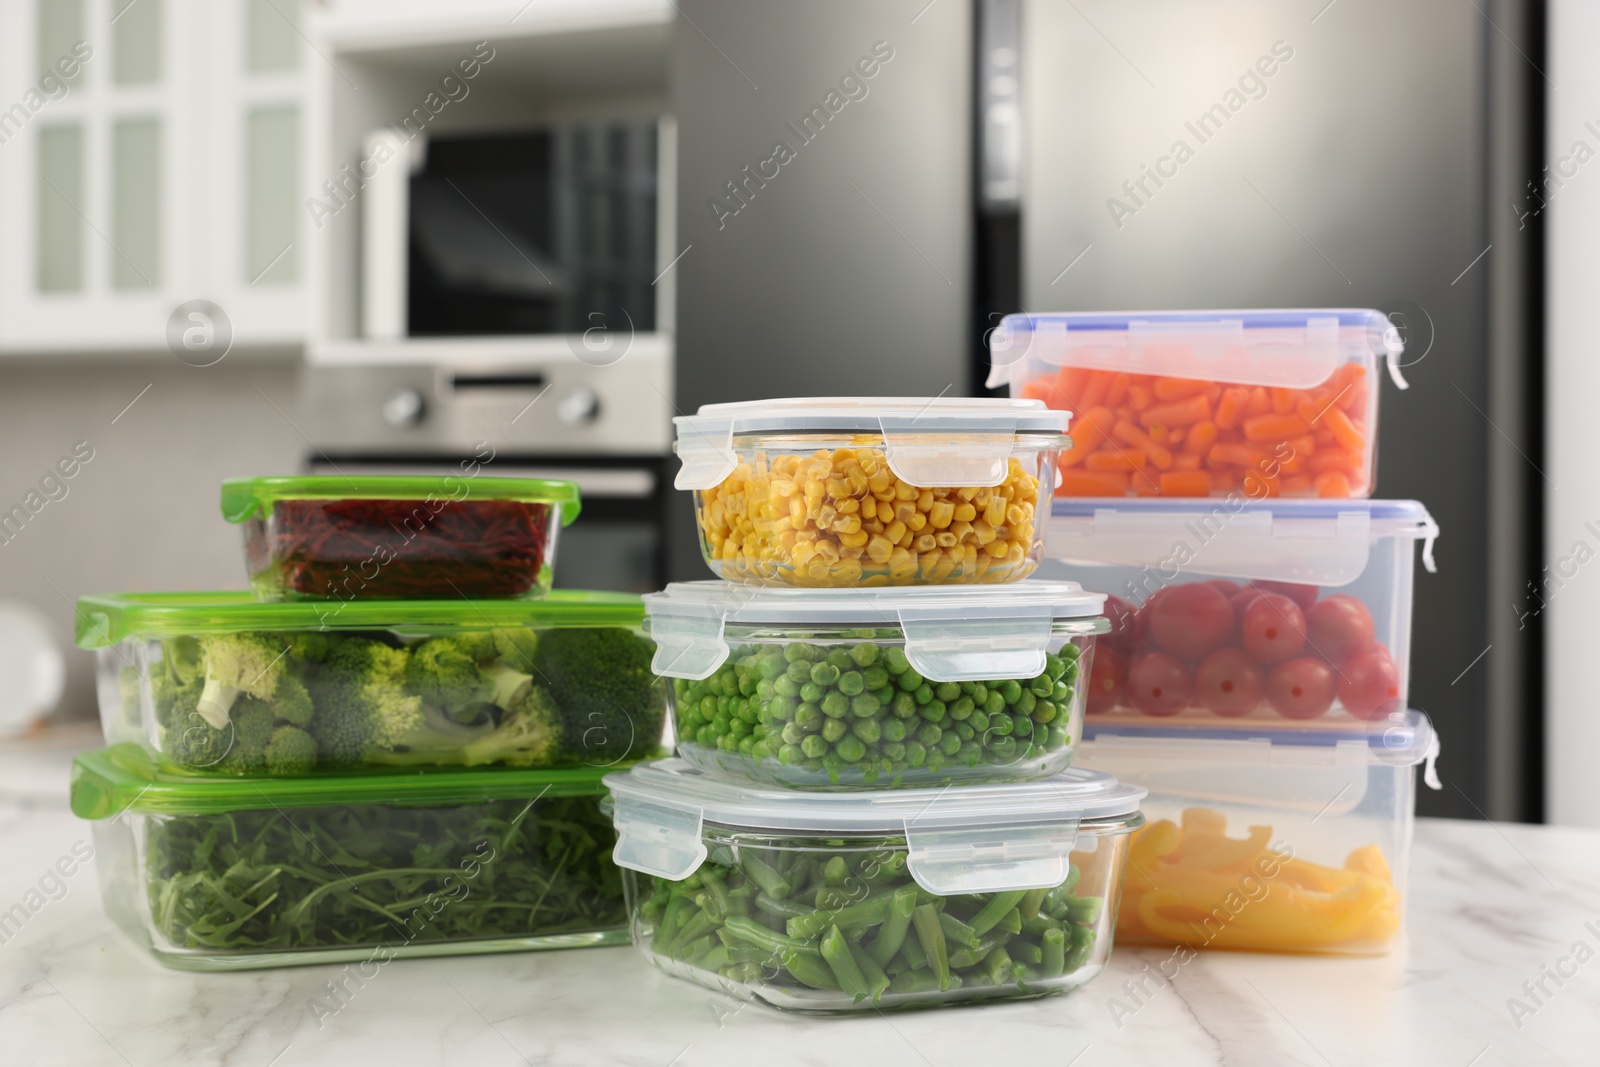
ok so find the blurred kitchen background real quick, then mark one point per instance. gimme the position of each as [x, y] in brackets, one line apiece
[254, 236]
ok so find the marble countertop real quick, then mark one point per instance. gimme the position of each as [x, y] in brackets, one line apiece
[1492, 907]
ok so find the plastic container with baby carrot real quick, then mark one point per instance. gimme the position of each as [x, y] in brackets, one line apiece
[1204, 403]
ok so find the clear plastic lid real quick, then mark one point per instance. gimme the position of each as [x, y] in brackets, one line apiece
[1294, 348]
[243, 498]
[1323, 769]
[969, 839]
[952, 633]
[1315, 542]
[935, 442]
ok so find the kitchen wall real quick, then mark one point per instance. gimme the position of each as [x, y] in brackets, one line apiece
[141, 514]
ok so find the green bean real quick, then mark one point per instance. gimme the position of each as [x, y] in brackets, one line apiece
[808, 967]
[876, 980]
[1082, 944]
[780, 909]
[713, 959]
[1029, 905]
[972, 955]
[698, 925]
[998, 966]
[836, 953]
[929, 925]
[835, 871]
[829, 897]
[1054, 950]
[1039, 925]
[1025, 952]
[956, 930]
[743, 973]
[992, 912]
[758, 871]
[753, 932]
[868, 912]
[671, 920]
[1085, 910]
[892, 934]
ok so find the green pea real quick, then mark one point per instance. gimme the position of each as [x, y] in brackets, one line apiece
[815, 746]
[1025, 702]
[835, 705]
[950, 744]
[864, 654]
[851, 683]
[786, 687]
[867, 730]
[1042, 686]
[811, 693]
[798, 672]
[1004, 748]
[924, 693]
[979, 693]
[916, 753]
[963, 730]
[875, 677]
[904, 705]
[979, 721]
[1011, 690]
[1044, 711]
[738, 728]
[850, 749]
[824, 674]
[929, 733]
[789, 755]
[771, 666]
[910, 680]
[839, 659]
[864, 705]
[947, 691]
[1021, 726]
[794, 733]
[764, 690]
[933, 711]
[995, 704]
[893, 751]
[1054, 666]
[962, 708]
[808, 714]
[1061, 693]
[885, 696]
[834, 729]
[798, 652]
[999, 725]
[894, 730]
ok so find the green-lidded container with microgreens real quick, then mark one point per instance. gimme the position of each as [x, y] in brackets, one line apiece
[221, 684]
[400, 537]
[270, 872]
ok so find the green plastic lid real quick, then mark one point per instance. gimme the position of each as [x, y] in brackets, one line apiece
[244, 497]
[124, 777]
[103, 621]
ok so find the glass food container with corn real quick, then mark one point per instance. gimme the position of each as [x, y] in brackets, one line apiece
[862, 491]
[854, 902]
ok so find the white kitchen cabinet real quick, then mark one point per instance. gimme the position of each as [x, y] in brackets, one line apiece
[169, 168]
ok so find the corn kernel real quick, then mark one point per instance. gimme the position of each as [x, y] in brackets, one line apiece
[940, 513]
[965, 512]
[997, 549]
[857, 539]
[945, 539]
[879, 548]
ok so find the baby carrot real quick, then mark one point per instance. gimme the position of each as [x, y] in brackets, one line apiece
[1185, 483]
[1344, 430]
[1178, 388]
[1118, 391]
[1139, 397]
[1088, 434]
[1336, 460]
[1234, 455]
[1232, 407]
[1298, 484]
[1264, 429]
[1284, 400]
[1129, 434]
[1177, 412]
[1071, 381]
[1092, 483]
[1332, 484]
[1116, 459]
[1200, 438]
[1095, 390]
[1260, 401]
[1187, 461]
[1304, 445]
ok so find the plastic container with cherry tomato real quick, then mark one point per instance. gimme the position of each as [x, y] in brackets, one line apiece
[1278, 610]
[1282, 840]
[1278, 402]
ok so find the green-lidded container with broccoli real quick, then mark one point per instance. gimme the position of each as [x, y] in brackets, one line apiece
[239, 873]
[877, 688]
[860, 901]
[220, 684]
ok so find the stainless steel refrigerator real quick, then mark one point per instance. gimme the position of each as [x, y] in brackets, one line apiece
[863, 188]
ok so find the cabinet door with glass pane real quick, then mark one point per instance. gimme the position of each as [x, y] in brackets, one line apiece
[150, 155]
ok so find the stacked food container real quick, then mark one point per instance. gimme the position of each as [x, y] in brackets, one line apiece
[1256, 676]
[876, 709]
[395, 747]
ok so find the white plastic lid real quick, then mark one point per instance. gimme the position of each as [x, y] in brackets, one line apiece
[933, 442]
[1295, 348]
[1314, 542]
[1316, 766]
[968, 839]
[952, 633]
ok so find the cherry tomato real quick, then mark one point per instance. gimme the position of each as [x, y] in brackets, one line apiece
[1274, 628]
[1229, 682]
[1159, 684]
[1302, 595]
[1301, 688]
[1124, 624]
[1228, 588]
[1337, 627]
[1369, 685]
[1189, 620]
[1241, 602]
[1110, 670]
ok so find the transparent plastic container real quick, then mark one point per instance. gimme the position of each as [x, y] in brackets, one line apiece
[849, 492]
[841, 902]
[222, 684]
[273, 872]
[399, 537]
[1232, 611]
[1280, 402]
[876, 688]
[1279, 841]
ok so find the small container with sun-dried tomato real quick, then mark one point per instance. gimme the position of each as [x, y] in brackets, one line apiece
[1275, 402]
[387, 537]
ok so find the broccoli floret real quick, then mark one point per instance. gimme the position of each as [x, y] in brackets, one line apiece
[180, 659]
[291, 701]
[186, 738]
[252, 724]
[458, 674]
[309, 647]
[290, 751]
[516, 646]
[364, 714]
[237, 663]
[529, 735]
[611, 704]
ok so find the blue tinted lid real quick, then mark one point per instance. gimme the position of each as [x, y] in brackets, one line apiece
[1259, 319]
[1409, 513]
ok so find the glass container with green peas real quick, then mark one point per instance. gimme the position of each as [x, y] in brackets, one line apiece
[873, 689]
[835, 902]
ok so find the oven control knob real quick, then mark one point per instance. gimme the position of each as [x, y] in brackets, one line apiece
[403, 408]
[579, 407]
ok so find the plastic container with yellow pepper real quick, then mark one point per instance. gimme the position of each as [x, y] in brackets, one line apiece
[862, 491]
[1283, 840]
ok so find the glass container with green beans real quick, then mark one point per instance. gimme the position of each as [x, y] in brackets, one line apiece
[847, 915]
[798, 688]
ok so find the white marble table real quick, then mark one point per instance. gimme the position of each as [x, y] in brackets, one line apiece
[1491, 908]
